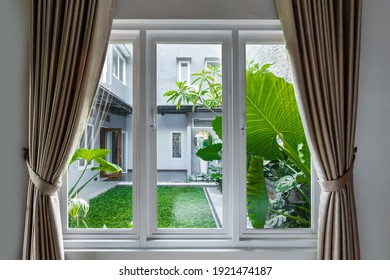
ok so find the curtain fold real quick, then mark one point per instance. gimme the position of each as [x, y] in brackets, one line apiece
[68, 42]
[323, 42]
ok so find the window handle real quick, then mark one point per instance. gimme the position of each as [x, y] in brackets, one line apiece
[243, 129]
[153, 125]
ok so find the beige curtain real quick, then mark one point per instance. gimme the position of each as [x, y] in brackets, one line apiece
[323, 41]
[68, 42]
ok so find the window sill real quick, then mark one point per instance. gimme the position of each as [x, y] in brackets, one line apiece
[191, 254]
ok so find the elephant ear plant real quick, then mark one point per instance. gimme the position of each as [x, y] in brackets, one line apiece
[78, 207]
[275, 134]
[277, 151]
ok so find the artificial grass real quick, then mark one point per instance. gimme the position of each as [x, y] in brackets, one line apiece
[178, 207]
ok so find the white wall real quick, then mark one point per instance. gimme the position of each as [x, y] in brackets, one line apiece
[13, 124]
[372, 165]
[199, 9]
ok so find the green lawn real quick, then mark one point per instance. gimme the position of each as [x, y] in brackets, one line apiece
[112, 209]
[178, 207]
[183, 207]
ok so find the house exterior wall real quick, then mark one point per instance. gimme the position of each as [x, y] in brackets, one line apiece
[168, 56]
[167, 124]
[122, 91]
[110, 81]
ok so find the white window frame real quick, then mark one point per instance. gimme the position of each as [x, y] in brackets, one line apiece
[120, 58]
[125, 157]
[233, 35]
[200, 119]
[180, 62]
[181, 145]
[307, 234]
[175, 237]
[210, 59]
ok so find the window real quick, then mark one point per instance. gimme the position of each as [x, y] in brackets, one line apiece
[176, 144]
[118, 65]
[200, 176]
[211, 62]
[183, 65]
[196, 122]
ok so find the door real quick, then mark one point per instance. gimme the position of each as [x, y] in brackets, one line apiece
[111, 139]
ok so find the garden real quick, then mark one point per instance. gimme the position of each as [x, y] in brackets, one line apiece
[278, 162]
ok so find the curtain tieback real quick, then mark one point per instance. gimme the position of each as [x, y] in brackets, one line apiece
[42, 185]
[339, 183]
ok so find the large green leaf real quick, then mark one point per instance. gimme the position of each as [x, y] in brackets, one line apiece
[256, 190]
[97, 155]
[89, 155]
[217, 126]
[272, 117]
[106, 166]
[211, 152]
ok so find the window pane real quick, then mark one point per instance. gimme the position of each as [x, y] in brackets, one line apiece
[278, 159]
[184, 72]
[189, 175]
[103, 198]
[115, 58]
[176, 145]
[89, 137]
[122, 70]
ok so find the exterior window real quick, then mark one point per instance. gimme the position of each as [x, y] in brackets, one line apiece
[202, 123]
[183, 65]
[176, 144]
[211, 62]
[118, 65]
[208, 141]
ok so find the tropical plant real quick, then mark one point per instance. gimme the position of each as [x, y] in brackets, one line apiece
[78, 207]
[275, 133]
[273, 122]
[205, 90]
[275, 139]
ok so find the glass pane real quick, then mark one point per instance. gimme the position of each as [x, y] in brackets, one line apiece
[90, 137]
[102, 198]
[189, 167]
[176, 145]
[184, 68]
[278, 158]
[122, 70]
[115, 58]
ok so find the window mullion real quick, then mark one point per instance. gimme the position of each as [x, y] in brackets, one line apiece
[237, 131]
[143, 146]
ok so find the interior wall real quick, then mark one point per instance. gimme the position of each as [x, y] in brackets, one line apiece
[199, 9]
[373, 132]
[13, 124]
[371, 168]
